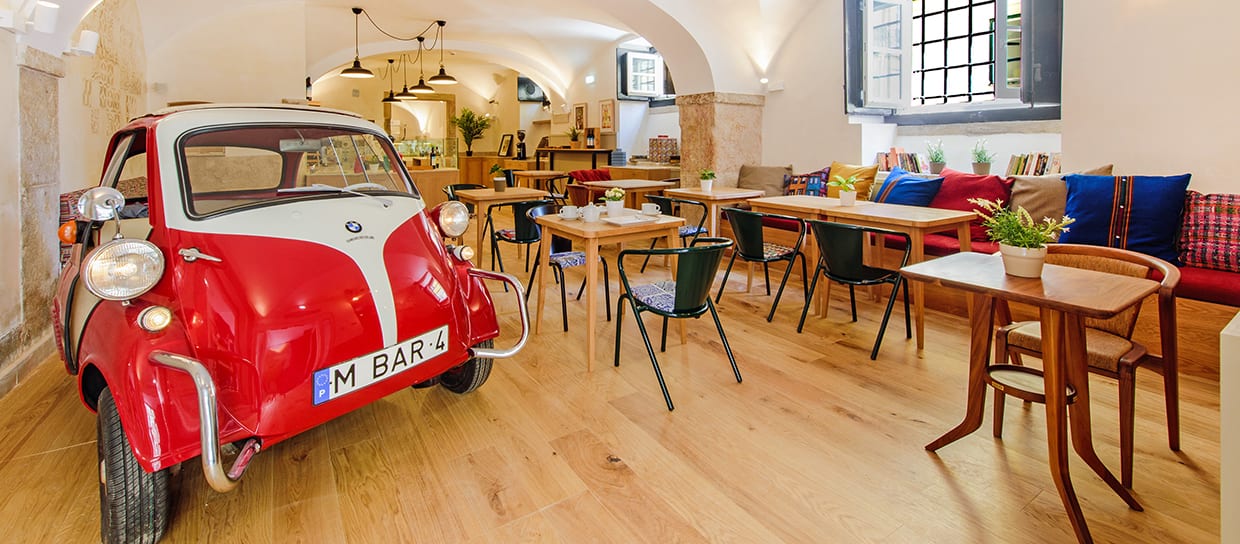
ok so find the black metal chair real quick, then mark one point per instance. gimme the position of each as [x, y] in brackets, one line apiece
[563, 256]
[674, 206]
[451, 190]
[841, 249]
[557, 195]
[524, 231]
[751, 246]
[687, 296]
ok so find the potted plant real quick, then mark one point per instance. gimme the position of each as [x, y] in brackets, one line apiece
[614, 197]
[498, 178]
[574, 136]
[848, 189]
[707, 179]
[471, 126]
[1022, 241]
[938, 160]
[981, 157]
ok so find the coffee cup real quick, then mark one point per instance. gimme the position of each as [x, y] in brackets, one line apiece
[569, 212]
[650, 208]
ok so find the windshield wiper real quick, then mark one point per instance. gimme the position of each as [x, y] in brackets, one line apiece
[317, 187]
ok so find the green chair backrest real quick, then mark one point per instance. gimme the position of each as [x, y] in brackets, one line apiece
[841, 248]
[696, 268]
[747, 229]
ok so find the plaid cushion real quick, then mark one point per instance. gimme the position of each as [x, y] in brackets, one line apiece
[660, 295]
[772, 251]
[1210, 237]
[568, 259]
[804, 184]
[507, 234]
[690, 230]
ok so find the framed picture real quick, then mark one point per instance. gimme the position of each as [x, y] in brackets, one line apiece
[607, 115]
[579, 115]
[505, 145]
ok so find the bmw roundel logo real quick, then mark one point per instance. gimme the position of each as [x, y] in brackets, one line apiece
[353, 226]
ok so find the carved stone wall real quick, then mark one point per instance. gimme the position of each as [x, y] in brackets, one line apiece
[720, 131]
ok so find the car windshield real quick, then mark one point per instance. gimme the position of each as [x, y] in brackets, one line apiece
[245, 166]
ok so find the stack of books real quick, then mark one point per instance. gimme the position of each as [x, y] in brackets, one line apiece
[1033, 164]
[886, 160]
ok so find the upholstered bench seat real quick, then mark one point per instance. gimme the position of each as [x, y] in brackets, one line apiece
[1217, 286]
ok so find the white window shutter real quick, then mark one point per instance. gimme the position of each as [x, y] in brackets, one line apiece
[888, 53]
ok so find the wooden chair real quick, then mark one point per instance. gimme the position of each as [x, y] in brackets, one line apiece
[752, 247]
[841, 251]
[687, 296]
[1109, 346]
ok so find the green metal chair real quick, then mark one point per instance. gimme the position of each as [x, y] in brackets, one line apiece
[563, 256]
[687, 296]
[752, 247]
[559, 196]
[674, 206]
[524, 231]
[841, 248]
[451, 190]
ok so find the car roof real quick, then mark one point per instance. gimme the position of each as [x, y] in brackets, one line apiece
[247, 106]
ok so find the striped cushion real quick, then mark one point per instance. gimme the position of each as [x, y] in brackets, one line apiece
[568, 259]
[660, 295]
[690, 230]
[1138, 213]
[1210, 237]
[772, 251]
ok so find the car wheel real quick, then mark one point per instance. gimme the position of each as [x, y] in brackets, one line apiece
[469, 375]
[133, 503]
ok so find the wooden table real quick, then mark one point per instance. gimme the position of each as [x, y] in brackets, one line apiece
[715, 199]
[534, 178]
[633, 189]
[483, 199]
[593, 235]
[916, 221]
[1065, 297]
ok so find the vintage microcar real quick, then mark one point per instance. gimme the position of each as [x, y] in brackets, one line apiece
[245, 273]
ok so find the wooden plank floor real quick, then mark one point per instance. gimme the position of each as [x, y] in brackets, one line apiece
[819, 444]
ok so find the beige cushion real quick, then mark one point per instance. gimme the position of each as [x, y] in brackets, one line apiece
[769, 179]
[1104, 349]
[1046, 196]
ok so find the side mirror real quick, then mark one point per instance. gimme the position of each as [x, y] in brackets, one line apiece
[100, 204]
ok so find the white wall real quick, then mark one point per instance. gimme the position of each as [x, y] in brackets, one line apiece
[1150, 86]
[10, 204]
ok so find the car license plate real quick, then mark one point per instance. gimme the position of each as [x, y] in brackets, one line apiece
[338, 380]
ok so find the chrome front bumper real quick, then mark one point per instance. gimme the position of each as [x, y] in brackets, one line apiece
[518, 290]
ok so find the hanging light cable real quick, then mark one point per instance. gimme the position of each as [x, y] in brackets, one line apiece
[421, 87]
[404, 93]
[356, 71]
[442, 78]
[391, 77]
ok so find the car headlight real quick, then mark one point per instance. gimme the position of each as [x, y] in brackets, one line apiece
[122, 269]
[453, 218]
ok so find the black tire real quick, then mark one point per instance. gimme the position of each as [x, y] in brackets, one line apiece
[469, 375]
[133, 503]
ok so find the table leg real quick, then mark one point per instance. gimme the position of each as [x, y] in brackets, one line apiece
[592, 265]
[1078, 411]
[480, 211]
[981, 317]
[1055, 379]
[714, 219]
[918, 254]
[544, 247]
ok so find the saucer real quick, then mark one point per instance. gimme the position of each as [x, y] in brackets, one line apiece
[655, 213]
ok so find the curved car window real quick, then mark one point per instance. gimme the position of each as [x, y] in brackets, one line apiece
[244, 166]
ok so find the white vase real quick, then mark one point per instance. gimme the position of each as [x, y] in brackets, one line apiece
[708, 185]
[1023, 261]
[615, 208]
[848, 198]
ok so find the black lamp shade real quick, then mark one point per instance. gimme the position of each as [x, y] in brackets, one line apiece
[442, 78]
[421, 88]
[356, 71]
[404, 94]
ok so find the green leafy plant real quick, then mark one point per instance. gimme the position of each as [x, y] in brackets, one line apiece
[614, 194]
[1015, 227]
[935, 151]
[495, 169]
[706, 173]
[980, 153]
[844, 183]
[471, 126]
[573, 133]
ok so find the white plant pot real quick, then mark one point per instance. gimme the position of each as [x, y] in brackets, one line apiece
[615, 208]
[708, 185]
[848, 198]
[1022, 261]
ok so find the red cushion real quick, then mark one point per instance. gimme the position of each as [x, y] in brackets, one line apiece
[591, 175]
[958, 187]
[942, 244]
[781, 223]
[1210, 285]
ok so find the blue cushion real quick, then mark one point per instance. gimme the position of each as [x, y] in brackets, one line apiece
[1139, 213]
[904, 187]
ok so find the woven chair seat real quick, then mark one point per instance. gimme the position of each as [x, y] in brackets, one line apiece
[771, 251]
[660, 295]
[568, 259]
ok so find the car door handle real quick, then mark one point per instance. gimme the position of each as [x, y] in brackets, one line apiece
[192, 254]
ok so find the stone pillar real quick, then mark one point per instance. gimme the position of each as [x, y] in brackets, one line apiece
[720, 131]
[30, 342]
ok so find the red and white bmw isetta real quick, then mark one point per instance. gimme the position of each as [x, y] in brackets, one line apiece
[245, 273]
